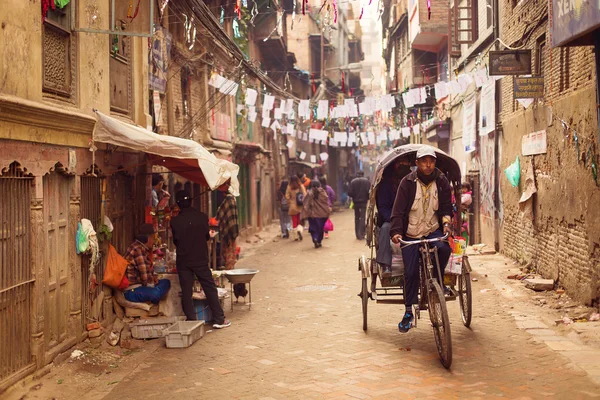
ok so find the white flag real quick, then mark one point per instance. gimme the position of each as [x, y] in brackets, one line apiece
[251, 96]
[268, 102]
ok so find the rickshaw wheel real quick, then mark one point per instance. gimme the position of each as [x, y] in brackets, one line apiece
[438, 313]
[364, 294]
[465, 298]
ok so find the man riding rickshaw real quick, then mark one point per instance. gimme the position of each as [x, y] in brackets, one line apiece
[413, 206]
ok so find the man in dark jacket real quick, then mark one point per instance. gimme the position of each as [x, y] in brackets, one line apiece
[423, 209]
[359, 191]
[190, 235]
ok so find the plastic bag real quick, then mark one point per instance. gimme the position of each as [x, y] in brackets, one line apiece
[513, 173]
[116, 266]
[81, 240]
[328, 226]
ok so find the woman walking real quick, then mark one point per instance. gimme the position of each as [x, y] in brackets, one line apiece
[330, 196]
[284, 207]
[294, 194]
[316, 209]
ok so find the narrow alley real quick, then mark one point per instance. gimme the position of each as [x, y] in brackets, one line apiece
[303, 339]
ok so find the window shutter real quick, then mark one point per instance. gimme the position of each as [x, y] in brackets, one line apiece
[465, 24]
[453, 47]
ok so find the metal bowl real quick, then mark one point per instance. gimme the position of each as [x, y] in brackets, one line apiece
[240, 275]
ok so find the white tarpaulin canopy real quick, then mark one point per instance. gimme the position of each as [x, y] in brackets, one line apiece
[182, 156]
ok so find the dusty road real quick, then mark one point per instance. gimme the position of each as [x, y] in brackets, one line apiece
[303, 338]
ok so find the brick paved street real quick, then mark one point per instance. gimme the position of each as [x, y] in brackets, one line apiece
[303, 338]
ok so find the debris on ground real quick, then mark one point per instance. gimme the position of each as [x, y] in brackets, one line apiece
[485, 290]
[474, 279]
[76, 355]
[595, 317]
[565, 320]
[539, 284]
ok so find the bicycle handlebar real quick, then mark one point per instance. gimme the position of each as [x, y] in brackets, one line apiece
[409, 243]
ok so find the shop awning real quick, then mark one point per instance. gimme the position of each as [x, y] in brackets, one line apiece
[305, 164]
[182, 156]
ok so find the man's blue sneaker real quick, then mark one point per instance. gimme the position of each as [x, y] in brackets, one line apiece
[406, 322]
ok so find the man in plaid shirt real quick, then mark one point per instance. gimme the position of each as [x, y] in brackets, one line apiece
[143, 284]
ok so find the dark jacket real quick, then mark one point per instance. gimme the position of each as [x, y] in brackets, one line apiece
[406, 196]
[386, 195]
[359, 190]
[190, 235]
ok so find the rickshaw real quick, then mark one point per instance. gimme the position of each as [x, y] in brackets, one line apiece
[388, 290]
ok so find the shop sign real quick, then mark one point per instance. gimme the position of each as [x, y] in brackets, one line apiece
[469, 138]
[572, 19]
[510, 62]
[528, 87]
[221, 127]
[534, 143]
[158, 60]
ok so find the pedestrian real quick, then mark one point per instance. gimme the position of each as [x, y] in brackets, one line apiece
[422, 209]
[331, 197]
[316, 209]
[144, 285]
[359, 191]
[304, 180]
[190, 236]
[227, 215]
[294, 194]
[157, 189]
[285, 221]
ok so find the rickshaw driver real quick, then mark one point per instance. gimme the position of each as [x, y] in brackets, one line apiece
[423, 204]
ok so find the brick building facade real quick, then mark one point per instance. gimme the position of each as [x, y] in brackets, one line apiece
[562, 239]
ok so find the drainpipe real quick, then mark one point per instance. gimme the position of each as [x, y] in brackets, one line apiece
[498, 131]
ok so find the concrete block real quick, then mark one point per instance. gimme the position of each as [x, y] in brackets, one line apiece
[539, 284]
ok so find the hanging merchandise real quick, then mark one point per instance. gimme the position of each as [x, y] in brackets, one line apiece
[245, 3]
[236, 29]
[238, 10]
[46, 5]
[254, 13]
[222, 17]
[189, 32]
[513, 173]
[61, 3]
[335, 12]
[131, 16]
[428, 9]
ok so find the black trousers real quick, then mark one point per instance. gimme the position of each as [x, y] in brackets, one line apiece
[360, 211]
[186, 279]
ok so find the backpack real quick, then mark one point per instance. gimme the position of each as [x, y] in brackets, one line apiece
[299, 199]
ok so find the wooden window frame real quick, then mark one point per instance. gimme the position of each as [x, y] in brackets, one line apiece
[69, 91]
[472, 31]
[453, 47]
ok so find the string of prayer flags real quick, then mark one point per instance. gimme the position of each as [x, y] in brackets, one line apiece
[302, 155]
[324, 156]
[304, 109]
[323, 109]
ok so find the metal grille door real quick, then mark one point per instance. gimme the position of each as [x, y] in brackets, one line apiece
[16, 279]
[122, 211]
[91, 202]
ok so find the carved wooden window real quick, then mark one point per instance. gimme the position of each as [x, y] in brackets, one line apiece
[453, 46]
[58, 52]
[465, 24]
[120, 67]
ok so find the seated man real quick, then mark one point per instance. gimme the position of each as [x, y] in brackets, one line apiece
[423, 205]
[143, 284]
[386, 194]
